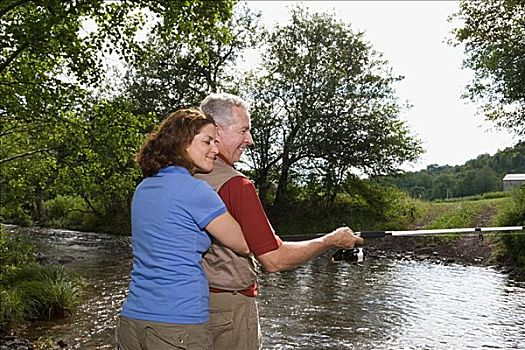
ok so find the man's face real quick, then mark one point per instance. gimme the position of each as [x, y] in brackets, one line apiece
[233, 139]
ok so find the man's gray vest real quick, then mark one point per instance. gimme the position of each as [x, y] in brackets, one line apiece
[225, 269]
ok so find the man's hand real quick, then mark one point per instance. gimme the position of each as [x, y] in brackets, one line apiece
[293, 254]
[344, 237]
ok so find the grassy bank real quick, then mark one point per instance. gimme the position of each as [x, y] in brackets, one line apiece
[465, 213]
[30, 291]
[378, 208]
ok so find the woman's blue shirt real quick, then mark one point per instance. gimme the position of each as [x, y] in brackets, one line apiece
[168, 214]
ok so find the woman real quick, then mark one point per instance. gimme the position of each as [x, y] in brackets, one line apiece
[168, 302]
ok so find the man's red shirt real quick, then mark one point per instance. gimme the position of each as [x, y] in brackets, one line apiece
[241, 199]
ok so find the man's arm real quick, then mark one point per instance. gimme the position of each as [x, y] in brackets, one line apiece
[243, 203]
[293, 254]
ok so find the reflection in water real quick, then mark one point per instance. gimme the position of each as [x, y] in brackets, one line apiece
[380, 304]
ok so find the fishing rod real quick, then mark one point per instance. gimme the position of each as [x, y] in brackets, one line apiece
[379, 234]
[357, 254]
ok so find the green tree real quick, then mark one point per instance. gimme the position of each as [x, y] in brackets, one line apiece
[50, 53]
[475, 181]
[494, 34]
[442, 186]
[59, 134]
[96, 157]
[172, 73]
[480, 175]
[328, 106]
[71, 34]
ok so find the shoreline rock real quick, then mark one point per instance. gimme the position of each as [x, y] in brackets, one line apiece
[11, 342]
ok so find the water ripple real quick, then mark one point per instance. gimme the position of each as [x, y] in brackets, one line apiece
[380, 304]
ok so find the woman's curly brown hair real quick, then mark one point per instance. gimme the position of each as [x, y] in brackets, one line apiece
[167, 144]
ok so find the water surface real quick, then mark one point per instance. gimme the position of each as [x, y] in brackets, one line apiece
[380, 304]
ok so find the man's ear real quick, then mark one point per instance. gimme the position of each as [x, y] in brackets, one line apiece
[219, 132]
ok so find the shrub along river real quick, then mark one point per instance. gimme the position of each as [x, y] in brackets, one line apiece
[378, 304]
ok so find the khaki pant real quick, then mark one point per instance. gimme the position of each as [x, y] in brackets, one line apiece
[148, 335]
[234, 321]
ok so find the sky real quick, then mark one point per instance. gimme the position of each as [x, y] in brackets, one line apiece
[412, 35]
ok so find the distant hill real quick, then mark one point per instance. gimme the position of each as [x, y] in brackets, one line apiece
[476, 176]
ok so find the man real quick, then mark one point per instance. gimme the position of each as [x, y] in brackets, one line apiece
[232, 278]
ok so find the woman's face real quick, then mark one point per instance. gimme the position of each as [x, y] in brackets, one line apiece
[202, 150]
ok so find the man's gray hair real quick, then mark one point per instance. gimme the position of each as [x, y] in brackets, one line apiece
[219, 107]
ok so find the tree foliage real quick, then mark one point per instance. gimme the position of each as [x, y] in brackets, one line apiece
[477, 176]
[171, 73]
[494, 37]
[52, 50]
[71, 34]
[59, 134]
[324, 104]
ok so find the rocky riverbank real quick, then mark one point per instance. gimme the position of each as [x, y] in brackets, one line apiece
[465, 250]
[469, 249]
[11, 342]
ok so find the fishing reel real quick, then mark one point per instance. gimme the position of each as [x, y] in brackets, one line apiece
[356, 255]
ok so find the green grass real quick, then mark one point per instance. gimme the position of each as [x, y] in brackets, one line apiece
[468, 213]
[33, 292]
[13, 310]
[488, 195]
[29, 291]
[461, 214]
[511, 248]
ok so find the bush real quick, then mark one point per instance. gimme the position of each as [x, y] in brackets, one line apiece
[15, 215]
[69, 212]
[514, 212]
[512, 247]
[15, 251]
[116, 220]
[363, 206]
[72, 212]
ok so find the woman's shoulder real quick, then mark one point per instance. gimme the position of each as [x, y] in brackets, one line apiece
[202, 185]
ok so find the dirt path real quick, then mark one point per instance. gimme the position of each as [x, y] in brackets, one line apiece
[429, 217]
[466, 249]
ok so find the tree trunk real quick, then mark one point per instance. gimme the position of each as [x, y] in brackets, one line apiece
[261, 182]
[282, 186]
[38, 211]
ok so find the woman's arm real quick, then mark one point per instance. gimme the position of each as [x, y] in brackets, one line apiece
[228, 232]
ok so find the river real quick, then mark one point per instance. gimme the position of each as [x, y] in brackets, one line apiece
[378, 304]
